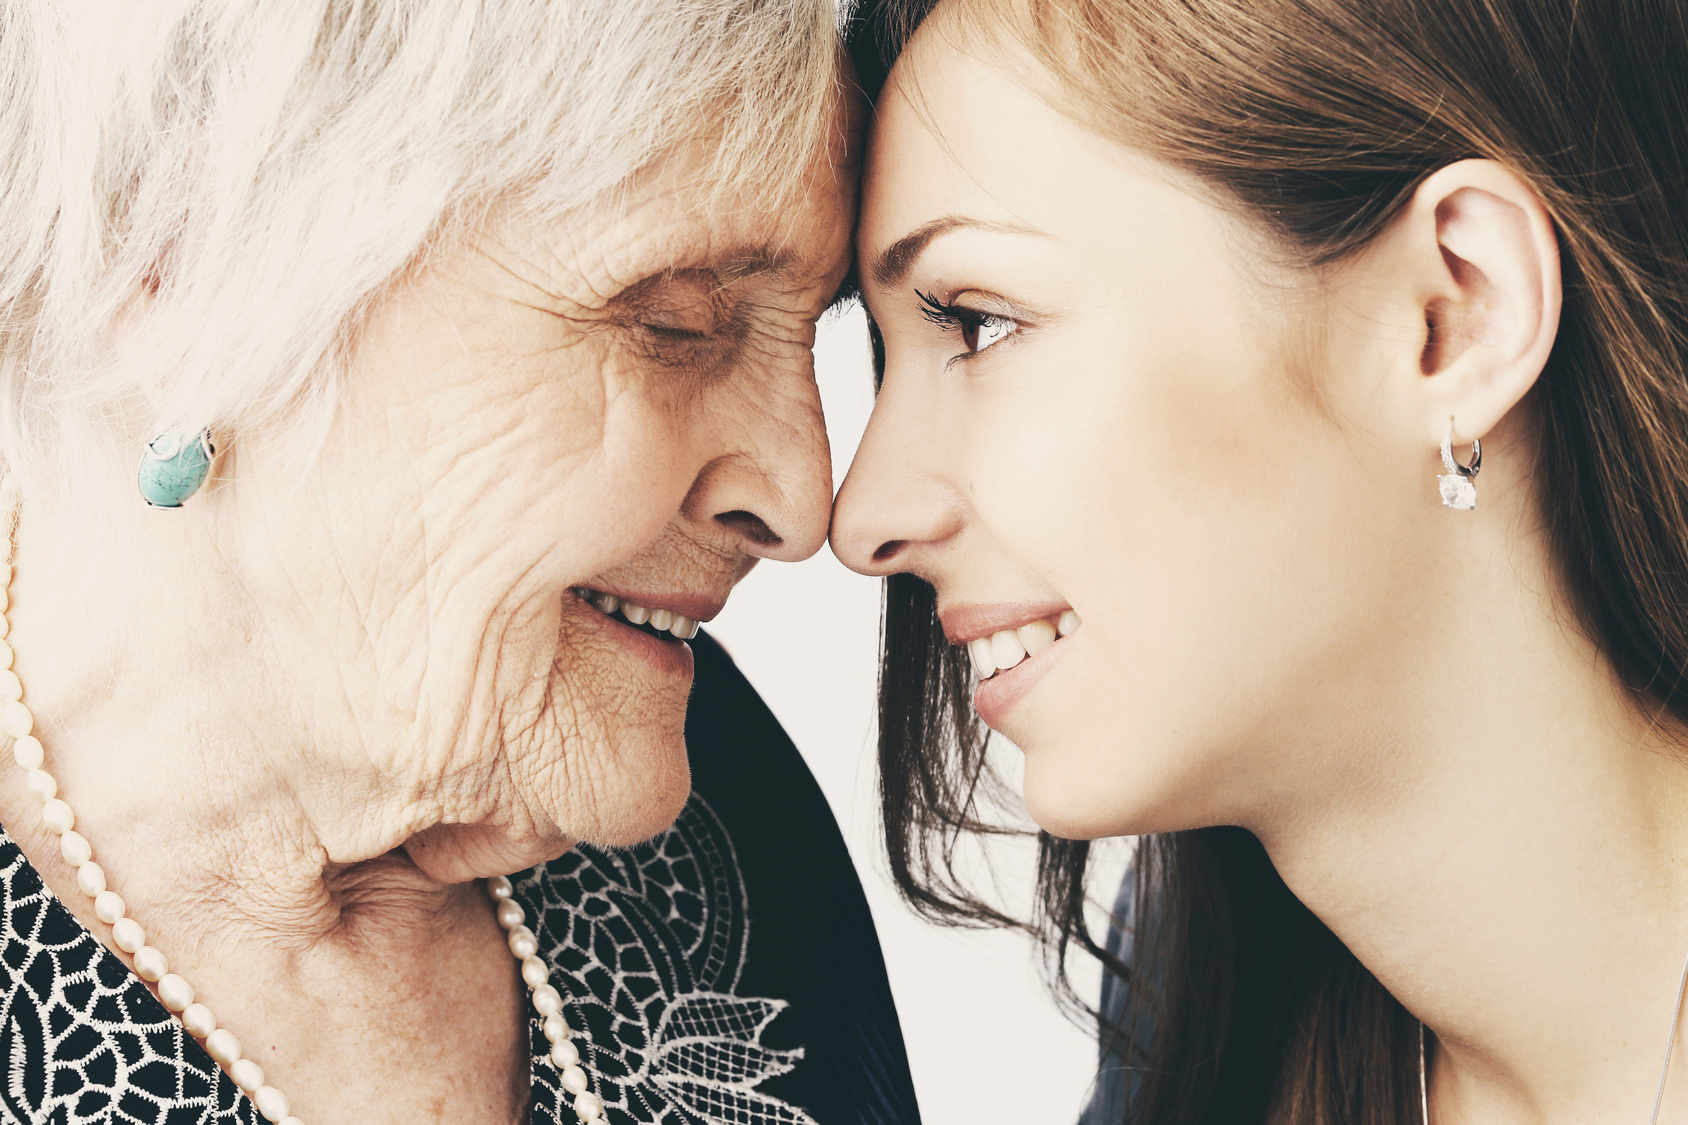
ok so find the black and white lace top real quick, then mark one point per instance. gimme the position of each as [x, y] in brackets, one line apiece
[725, 972]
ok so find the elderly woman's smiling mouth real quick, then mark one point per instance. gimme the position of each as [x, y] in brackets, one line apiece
[657, 635]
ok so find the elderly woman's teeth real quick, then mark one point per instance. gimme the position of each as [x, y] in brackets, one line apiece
[663, 620]
[1004, 650]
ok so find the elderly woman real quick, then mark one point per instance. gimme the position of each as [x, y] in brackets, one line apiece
[471, 341]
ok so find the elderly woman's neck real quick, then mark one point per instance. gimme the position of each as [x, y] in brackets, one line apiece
[202, 834]
[268, 864]
[204, 791]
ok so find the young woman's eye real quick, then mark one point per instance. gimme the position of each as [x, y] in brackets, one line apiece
[978, 329]
[987, 330]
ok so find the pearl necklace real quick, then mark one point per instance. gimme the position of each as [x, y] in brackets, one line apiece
[174, 992]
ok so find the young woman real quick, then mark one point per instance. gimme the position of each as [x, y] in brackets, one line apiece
[1192, 317]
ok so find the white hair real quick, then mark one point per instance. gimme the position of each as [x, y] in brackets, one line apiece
[256, 171]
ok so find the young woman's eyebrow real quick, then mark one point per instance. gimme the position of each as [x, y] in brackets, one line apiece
[895, 261]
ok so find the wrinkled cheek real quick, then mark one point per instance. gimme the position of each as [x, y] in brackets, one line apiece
[648, 468]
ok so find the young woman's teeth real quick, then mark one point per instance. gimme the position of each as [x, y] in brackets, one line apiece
[662, 620]
[1002, 651]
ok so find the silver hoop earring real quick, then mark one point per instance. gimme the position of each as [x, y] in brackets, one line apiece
[1457, 489]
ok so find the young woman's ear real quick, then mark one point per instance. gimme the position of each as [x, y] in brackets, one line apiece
[1477, 245]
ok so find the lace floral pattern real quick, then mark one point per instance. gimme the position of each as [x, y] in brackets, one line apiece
[646, 945]
[651, 943]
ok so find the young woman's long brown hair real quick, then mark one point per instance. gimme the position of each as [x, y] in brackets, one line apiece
[1318, 119]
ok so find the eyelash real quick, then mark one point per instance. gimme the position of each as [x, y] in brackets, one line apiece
[954, 318]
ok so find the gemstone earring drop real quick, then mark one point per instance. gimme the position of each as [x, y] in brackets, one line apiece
[172, 469]
[1457, 489]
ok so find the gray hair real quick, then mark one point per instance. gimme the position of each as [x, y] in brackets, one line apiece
[256, 171]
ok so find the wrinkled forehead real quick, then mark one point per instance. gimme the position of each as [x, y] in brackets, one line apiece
[791, 243]
[795, 221]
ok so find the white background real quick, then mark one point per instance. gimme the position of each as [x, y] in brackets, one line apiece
[985, 1041]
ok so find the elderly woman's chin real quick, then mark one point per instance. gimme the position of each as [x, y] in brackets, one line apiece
[626, 805]
[590, 744]
[607, 754]
[609, 780]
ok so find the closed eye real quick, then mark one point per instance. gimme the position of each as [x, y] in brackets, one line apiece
[684, 319]
[676, 331]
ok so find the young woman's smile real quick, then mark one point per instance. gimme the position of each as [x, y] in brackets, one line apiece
[1011, 646]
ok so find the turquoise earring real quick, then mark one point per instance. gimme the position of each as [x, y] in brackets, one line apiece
[172, 470]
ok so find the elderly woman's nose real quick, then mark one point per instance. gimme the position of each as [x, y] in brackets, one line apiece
[892, 501]
[776, 497]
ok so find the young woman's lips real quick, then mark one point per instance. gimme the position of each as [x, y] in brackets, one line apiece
[1012, 646]
[994, 698]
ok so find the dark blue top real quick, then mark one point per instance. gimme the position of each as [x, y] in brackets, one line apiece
[812, 940]
[1113, 1077]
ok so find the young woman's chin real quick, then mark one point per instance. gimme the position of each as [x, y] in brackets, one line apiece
[1068, 807]
[1065, 805]
[1079, 788]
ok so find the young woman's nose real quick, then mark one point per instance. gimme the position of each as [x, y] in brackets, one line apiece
[895, 502]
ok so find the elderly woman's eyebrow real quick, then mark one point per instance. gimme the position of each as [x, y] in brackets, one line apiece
[740, 265]
[723, 272]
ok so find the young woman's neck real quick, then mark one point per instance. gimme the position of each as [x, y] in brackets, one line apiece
[1502, 838]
